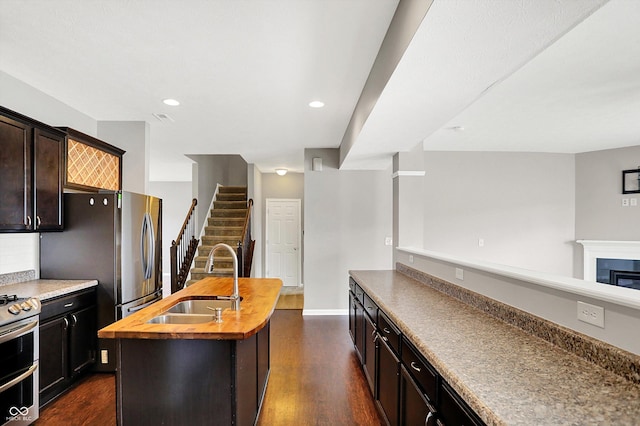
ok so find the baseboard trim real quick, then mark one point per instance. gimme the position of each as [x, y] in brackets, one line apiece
[311, 312]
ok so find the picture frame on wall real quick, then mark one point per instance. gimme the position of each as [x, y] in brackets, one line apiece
[631, 181]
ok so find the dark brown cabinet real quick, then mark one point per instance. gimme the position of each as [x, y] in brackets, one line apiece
[388, 383]
[453, 410]
[67, 341]
[193, 381]
[407, 389]
[414, 408]
[31, 174]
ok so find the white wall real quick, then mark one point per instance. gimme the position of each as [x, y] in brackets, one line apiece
[552, 304]
[599, 211]
[20, 252]
[347, 216]
[522, 205]
[176, 200]
[27, 100]
[254, 191]
[134, 137]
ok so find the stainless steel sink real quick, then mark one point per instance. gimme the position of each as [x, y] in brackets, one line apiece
[180, 319]
[200, 306]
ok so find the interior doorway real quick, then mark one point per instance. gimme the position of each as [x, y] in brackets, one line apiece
[283, 257]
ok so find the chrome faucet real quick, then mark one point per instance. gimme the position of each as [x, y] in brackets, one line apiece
[209, 266]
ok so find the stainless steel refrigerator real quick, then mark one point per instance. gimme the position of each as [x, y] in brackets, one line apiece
[115, 238]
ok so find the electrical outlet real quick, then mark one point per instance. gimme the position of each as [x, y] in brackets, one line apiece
[388, 241]
[591, 314]
[633, 202]
[459, 274]
[104, 356]
[625, 202]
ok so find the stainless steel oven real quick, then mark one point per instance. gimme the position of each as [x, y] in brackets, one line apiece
[19, 353]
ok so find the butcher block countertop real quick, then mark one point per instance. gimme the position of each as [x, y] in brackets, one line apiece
[259, 297]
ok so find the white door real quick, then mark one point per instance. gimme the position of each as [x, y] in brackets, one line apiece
[282, 255]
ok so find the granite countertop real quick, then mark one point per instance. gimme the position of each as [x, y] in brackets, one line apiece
[259, 296]
[46, 289]
[507, 376]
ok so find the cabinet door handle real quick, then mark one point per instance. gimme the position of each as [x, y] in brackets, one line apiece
[377, 336]
[386, 330]
[38, 221]
[68, 305]
[28, 222]
[415, 366]
[75, 320]
[429, 417]
[66, 322]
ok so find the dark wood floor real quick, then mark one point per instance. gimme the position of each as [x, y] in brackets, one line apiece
[315, 380]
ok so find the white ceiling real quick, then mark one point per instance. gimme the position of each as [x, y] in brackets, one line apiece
[527, 75]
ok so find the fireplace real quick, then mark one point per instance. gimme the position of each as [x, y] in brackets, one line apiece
[629, 279]
[612, 262]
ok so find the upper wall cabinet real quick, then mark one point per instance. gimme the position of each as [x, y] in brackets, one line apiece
[31, 174]
[91, 164]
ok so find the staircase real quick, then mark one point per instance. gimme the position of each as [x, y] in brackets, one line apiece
[225, 225]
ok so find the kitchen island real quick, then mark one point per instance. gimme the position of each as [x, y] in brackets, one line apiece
[196, 373]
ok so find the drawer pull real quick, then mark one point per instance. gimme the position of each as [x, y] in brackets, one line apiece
[429, 417]
[415, 366]
[386, 330]
[68, 305]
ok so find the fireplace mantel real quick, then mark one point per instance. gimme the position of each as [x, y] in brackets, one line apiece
[594, 249]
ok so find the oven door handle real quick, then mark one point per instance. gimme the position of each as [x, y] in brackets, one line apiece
[20, 378]
[12, 334]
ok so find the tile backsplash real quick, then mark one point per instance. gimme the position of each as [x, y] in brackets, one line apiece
[19, 252]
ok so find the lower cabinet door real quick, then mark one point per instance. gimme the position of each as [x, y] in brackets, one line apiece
[369, 358]
[453, 410]
[414, 407]
[82, 347]
[53, 357]
[388, 383]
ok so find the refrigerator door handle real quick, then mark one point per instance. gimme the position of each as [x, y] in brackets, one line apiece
[146, 242]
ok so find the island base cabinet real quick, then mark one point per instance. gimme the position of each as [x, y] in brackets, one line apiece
[189, 382]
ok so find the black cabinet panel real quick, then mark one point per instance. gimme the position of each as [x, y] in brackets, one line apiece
[15, 174]
[388, 383]
[415, 409]
[31, 174]
[53, 355]
[48, 175]
[68, 340]
[421, 371]
[407, 388]
[389, 332]
[453, 411]
[369, 358]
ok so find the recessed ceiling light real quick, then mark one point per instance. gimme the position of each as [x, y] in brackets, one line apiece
[281, 172]
[316, 104]
[171, 102]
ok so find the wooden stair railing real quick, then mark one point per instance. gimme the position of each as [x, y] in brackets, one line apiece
[183, 250]
[245, 245]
